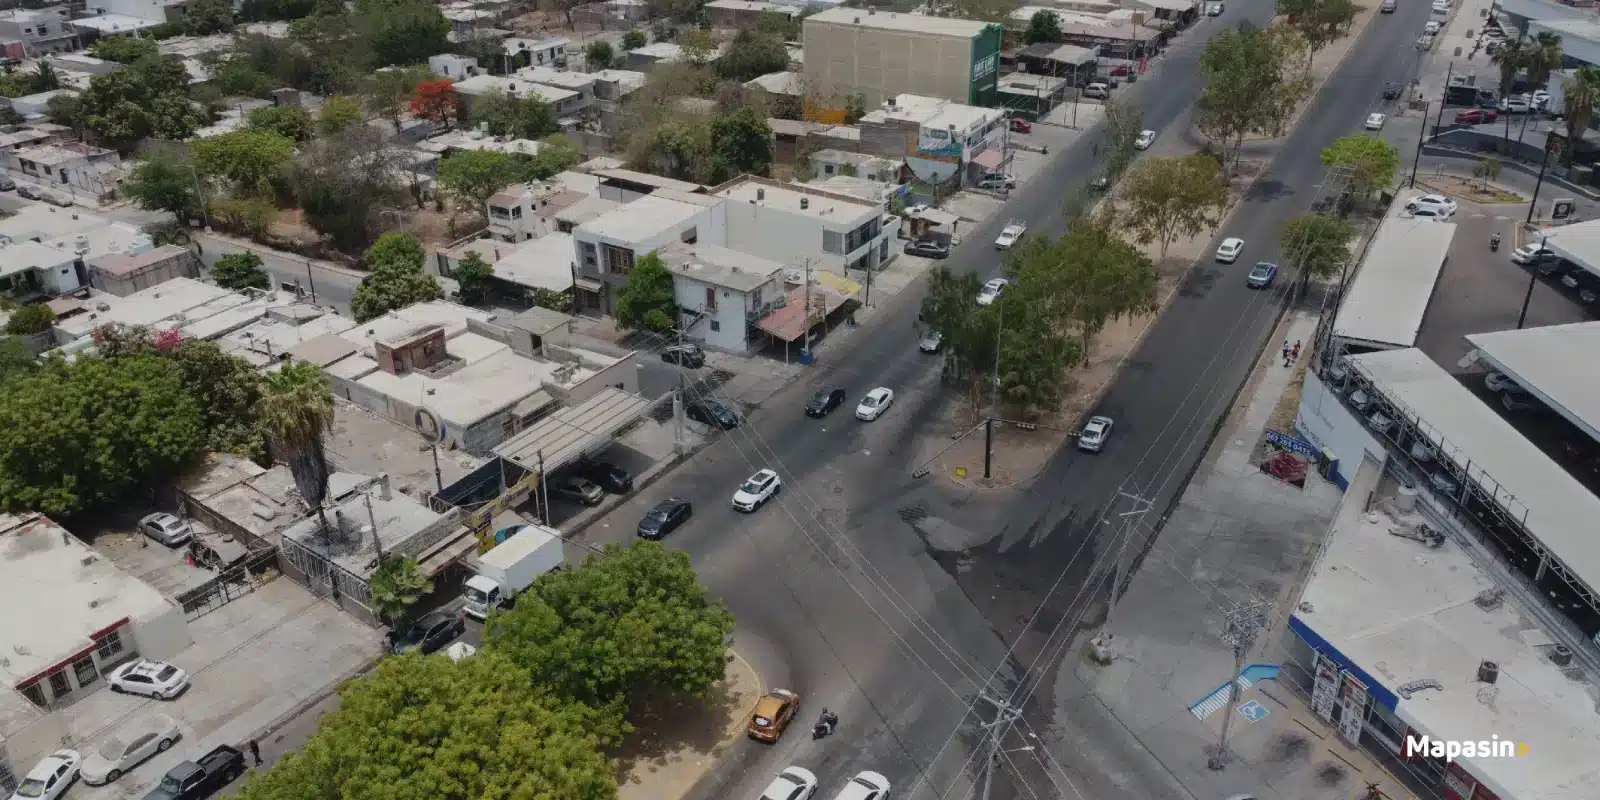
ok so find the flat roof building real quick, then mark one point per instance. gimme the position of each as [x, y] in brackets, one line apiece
[1392, 286]
[882, 54]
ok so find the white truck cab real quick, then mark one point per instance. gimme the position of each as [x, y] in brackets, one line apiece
[513, 565]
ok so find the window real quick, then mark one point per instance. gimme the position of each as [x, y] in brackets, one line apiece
[516, 212]
[44, 30]
[833, 242]
[85, 671]
[109, 645]
[619, 260]
[827, 169]
[47, 170]
[715, 325]
[711, 299]
[34, 693]
[690, 236]
[883, 251]
[755, 297]
[588, 255]
[63, 176]
[59, 685]
[499, 212]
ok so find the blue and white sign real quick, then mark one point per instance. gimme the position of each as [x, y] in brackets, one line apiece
[1292, 444]
[1254, 711]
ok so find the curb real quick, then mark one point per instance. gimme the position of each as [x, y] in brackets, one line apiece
[761, 687]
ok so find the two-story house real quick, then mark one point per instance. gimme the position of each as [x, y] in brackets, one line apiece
[581, 83]
[550, 51]
[611, 87]
[606, 247]
[793, 224]
[721, 292]
[41, 31]
[517, 212]
[74, 166]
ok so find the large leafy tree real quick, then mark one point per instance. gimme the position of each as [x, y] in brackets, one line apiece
[228, 390]
[344, 180]
[741, 142]
[124, 49]
[1319, 22]
[474, 175]
[337, 113]
[751, 54]
[556, 153]
[206, 17]
[388, 92]
[397, 278]
[1250, 87]
[525, 118]
[250, 162]
[1318, 244]
[1043, 26]
[241, 270]
[162, 180]
[472, 274]
[647, 301]
[145, 100]
[291, 123]
[296, 410]
[16, 357]
[699, 46]
[598, 54]
[1172, 197]
[1370, 161]
[631, 622]
[426, 728]
[436, 102]
[29, 319]
[402, 31]
[82, 435]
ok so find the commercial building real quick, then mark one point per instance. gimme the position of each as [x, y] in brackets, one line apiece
[880, 55]
[938, 139]
[606, 247]
[742, 14]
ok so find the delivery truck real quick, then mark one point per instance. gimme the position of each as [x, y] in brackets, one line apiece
[512, 566]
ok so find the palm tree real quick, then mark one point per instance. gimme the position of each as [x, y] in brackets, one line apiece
[1580, 92]
[1545, 56]
[397, 584]
[45, 78]
[1511, 58]
[296, 409]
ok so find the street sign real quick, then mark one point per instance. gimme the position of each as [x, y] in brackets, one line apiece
[1254, 711]
[1562, 208]
[1292, 444]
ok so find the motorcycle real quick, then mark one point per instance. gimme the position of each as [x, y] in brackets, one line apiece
[825, 724]
[1494, 243]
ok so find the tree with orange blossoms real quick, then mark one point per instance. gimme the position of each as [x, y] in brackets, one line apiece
[436, 101]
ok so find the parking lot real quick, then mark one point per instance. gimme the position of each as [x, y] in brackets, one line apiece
[253, 662]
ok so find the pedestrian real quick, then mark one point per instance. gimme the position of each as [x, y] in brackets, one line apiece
[255, 751]
[1286, 352]
[1294, 355]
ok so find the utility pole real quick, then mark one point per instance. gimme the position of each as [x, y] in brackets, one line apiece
[988, 446]
[679, 441]
[1539, 184]
[1422, 136]
[1005, 716]
[438, 478]
[805, 335]
[1533, 278]
[1242, 625]
[1130, 520]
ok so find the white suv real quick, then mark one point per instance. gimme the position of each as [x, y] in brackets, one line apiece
[757, 490]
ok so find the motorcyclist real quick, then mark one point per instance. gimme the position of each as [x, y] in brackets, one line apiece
[827, 722]
[1494, 242]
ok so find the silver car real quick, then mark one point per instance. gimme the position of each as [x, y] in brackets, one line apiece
[166, 528]
[1095, 432]
[931, 342]
[130, 747]
[582, 490]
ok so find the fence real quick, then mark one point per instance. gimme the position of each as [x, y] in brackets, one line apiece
[235, 582]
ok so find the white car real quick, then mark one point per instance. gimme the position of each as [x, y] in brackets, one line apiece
[874, 404]
[1230, 249]
[1514, 106]
[1010, 234]
[1375, 122]
[757, 490]
[149, 678]
[1214, 9]
[166, 529]
[1441, 6]
[50, 777]
[794, 783]
[865, 786]
[1094, 434]
[1539, 99]
[1435, 200]
[991, 291]
[1430, 212]
[130, 747]
[1531, 252]
[1498, 382]
[931, 342]
[1432, 28]
[1146, 138]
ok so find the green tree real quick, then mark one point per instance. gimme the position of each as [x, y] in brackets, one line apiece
[1371, 161]
[633, 39]
[1172, 197]
[472, 274]
[423, 726]
[63, 109]
[345, 181]
[397, 278]
[598, 55]
[31, 318]
[752, 54]
[389, 91]
[1124, 123]
[741, 142]
[45, 78]
[147, 99]
[1098, 277]
[646, 302]
[241, 270]
[246, 216]
[1249, 86]
[1544, 57]
[296, 410]
[1488, 169]
[1319, 22]
[289, 122]
[207, 17]
[551, 299]
[1043, 26]
[240, 77]
[855, 107]
[17, 357]
[474, 175]
[397, 584]
[124, 49]
[402, 31]
[81, 435]
[699, 46]
[250, 161]
[504, 115]
[1579, 96]
[1319, 244]
[1511, 58]
[228, 391]
[631, 622]
[337, 113]
[557, 153]
[996, 11]
[161, 180]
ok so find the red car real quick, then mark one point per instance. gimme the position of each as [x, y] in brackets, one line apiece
[1020, 125]
[1476, 116]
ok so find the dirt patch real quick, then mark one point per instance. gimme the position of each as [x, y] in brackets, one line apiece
[290, 225]
[1288, 407]
[674, 744]
[1469, 189]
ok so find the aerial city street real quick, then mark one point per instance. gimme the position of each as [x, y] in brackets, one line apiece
[800, 400]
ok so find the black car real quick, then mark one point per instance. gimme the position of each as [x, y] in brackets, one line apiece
[611, 477]
[928, 248]
[824, 400]
[1391, 90]
[685, 355]
[665, 518]
[429, 633]
[713, 412]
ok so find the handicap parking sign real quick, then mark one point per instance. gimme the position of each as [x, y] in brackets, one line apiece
[1253, 711]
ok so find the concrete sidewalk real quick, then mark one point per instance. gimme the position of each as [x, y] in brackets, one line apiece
[1236, 534]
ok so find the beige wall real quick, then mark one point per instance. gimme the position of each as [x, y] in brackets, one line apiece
[882, 63]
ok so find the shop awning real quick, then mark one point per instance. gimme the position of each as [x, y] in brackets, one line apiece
[990, 159]
[587, 284]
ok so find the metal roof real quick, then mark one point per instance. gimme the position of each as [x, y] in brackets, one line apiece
[571, 433]
[1389, 294]
[1559, 364]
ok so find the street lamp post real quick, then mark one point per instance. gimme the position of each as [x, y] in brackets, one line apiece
[1533, 277]
[1549, 145]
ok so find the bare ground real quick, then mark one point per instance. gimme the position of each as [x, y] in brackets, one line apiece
[674, 744]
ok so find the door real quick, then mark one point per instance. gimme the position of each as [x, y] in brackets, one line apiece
[138, 750]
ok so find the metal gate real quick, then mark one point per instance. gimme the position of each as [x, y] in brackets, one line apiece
[230, 585]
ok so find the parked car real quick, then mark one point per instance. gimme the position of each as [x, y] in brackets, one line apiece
[1375, 122]
[1515, 105]
[1010, 234]
[991, 291]
[1430, 212]
[55, 198]
[664, 518]
[1529, 254]
[1433, 27]
[1553, 267]
[50, 777]
[1391, 90]
[684, 355]
[931, 342]
[1228, 251]
[1097, 90]
[772, 714]
[193, 780]
[1437, 201]
[995, 181]
[609, 476]
[1100, 183]
[429, 633]
[874, 404]
[1587, 286]
[1261, 275]
[1500, 382]
[1441, 6]
[1092, 439]
[1144, 140]
[129, 747]
[928, 248]
[6, 184]
[150, 678]
[823, 401]
[1020, 125]
[757, 490]
[794, 783]
[581, 489]
[865, 786]
[1214, 9]
[28, 190]
[166, 528]
[1476, 116]
[1519, 400]
[710, 411]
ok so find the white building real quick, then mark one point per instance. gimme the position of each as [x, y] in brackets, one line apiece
[453, 66]
[792, 224]
[564, 102]
[607, 246]
[828, 163]
[45, 249]
[720, 291]
[952, 138]
[70, 166]
[550, 51]
[36, 105]
[156, 11]
[41, 31]
[87, 617]
[579, 82]
[515, 212]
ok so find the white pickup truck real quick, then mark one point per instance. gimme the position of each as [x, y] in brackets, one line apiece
[1010, 234]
